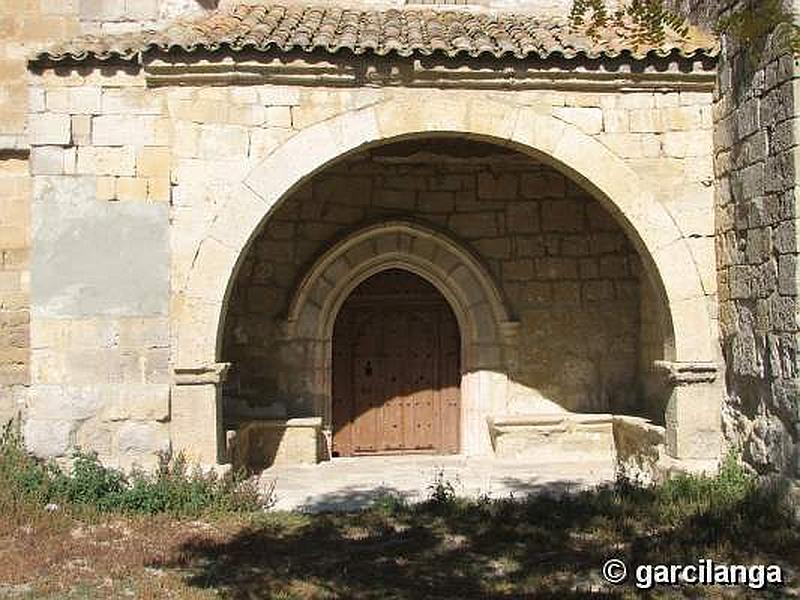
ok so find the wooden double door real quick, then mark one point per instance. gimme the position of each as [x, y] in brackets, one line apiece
[396, 369]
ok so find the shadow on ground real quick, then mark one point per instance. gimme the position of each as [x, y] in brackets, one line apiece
[544, 546]
[350, 498]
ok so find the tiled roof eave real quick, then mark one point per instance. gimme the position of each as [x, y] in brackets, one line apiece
[136, 56]
[386, 33]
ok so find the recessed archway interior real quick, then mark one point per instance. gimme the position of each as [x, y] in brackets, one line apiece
[590, 322]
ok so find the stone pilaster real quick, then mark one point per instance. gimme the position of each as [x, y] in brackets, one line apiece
[693, 414]
[196, 415]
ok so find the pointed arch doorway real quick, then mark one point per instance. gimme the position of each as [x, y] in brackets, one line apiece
[396, 369]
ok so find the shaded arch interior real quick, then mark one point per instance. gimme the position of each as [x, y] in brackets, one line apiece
[313, 207]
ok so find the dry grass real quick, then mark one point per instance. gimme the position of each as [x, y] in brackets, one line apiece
[178, 534]
[540, 547]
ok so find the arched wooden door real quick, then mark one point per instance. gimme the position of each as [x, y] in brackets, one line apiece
[396, 371]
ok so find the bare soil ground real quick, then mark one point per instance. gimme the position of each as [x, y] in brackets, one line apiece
[539, 547]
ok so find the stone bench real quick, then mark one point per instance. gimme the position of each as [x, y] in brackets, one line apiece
[554, 436]
[260, 443]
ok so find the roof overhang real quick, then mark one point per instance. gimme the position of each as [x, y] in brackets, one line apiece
[323, 69]
[412, 47]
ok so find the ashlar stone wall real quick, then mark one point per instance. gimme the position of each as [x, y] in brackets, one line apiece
[567, 269]
[100, 286]
[26, 25]
[14, 284]
[145, 196]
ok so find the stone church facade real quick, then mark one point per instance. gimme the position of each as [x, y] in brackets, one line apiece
[262, 233]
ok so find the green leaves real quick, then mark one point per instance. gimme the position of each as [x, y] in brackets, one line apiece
[640, 22]
[648, 22]
[751, 27]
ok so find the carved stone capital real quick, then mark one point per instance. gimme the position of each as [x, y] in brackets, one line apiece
[214, 373]
[687, 373]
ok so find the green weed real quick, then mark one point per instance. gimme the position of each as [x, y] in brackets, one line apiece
[175, 487]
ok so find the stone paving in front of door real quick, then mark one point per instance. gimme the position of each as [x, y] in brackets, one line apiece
[354, 483]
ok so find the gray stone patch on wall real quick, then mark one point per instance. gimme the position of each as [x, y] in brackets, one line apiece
[96, 258]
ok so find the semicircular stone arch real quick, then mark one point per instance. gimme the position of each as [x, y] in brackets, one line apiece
[200, 299]
[664, 251]
[477, 302]
[487, 331]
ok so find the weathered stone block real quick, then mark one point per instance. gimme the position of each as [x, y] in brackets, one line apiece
[682, 118]
[500, 187]
[575, 245]
[131, 101]
[250, 115]
[226, 140]
[474, 225]
[646, 121]
[158, 190]
[95, 437]
[48, 438]
[131, 188]
[48, 160]
[616, 121]
[153, 162]
[279, 116]
[195, 426]
[499, 248]
[123, 130]
[82, 100]
[142, 402]
[106, 188]
[590, 120]
[598, 291]
[81, 130]
[279, 95]
[567, 293]
[562, 215]
[636, 100]
[547, 184]
[683, 144]
[69, 403]
[787, 275]
[50, 129]
[135, 438]
[95, 160]
[520, 270]
[557, 268]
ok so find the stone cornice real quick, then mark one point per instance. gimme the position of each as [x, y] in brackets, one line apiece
[668, 74]
[202, 375]
[687, 373]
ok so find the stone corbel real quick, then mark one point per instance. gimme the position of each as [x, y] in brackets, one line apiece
[214, 373]
[687, 373]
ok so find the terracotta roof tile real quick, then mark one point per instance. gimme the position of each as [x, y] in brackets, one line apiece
[408, 31]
